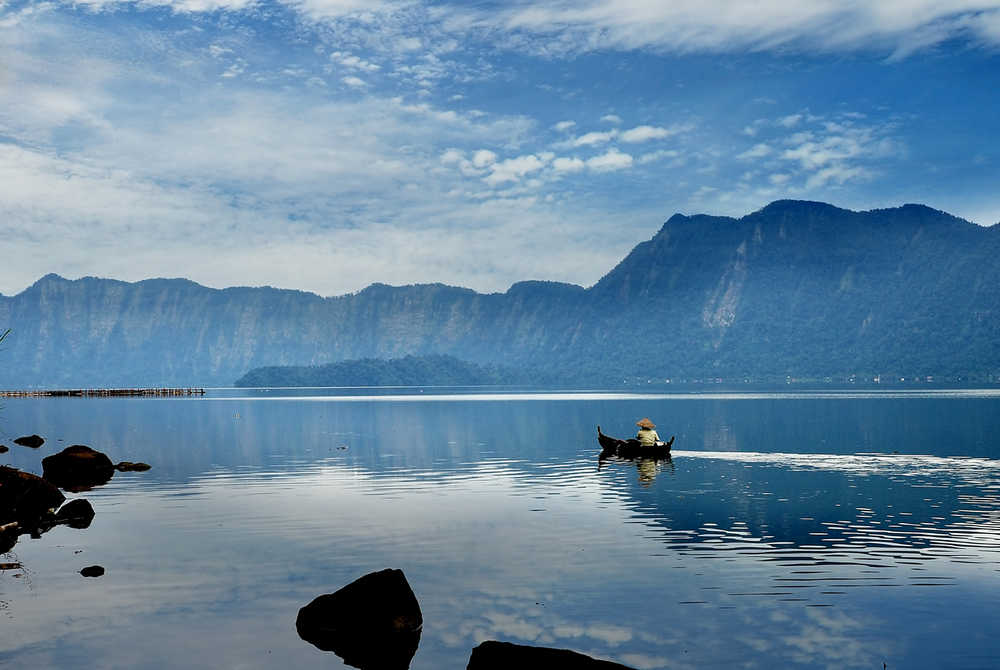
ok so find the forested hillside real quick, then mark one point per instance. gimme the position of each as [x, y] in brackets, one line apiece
[798, 288]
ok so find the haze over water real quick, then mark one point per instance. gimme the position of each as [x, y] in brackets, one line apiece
[792, 530]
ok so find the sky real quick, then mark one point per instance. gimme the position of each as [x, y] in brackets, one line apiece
[324, 145]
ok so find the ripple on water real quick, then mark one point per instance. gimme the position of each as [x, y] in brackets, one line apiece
[879, 546]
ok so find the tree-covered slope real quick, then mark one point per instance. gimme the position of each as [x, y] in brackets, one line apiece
[433, 370]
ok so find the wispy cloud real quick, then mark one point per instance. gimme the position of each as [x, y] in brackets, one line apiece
[240, 182]
[805, 155]
[899, 27]
[402, 133]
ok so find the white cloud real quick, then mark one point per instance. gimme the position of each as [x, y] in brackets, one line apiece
[452, 156]
[759, 150]
[986, 25]
[483, 158]
[645, 661]
[654, 156]
[409, 44]
[178, 6]
[827, 151]
[568, 165]
[612, 160]
[351, 61]
[512, 169]
[563, 126]
[590, 139]
[790, 120]
[235, 69]
[611, 118]
[837, 174]
[354, 82]
[646, 133]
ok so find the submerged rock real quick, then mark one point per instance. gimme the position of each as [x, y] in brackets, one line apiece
[78, 468]
[26, 497]
[33, 441]
[129, 466]
[92, 571]
[493, 655]
[373, 623]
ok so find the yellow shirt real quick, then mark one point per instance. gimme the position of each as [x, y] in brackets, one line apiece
[647, 437]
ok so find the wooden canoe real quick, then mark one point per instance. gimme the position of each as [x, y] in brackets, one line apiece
[612, 446]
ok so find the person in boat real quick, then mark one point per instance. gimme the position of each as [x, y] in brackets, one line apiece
[647, 436]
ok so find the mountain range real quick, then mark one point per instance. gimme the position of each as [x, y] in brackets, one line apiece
[801, 289]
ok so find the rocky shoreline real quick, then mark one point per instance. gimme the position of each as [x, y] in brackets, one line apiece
[32, 505]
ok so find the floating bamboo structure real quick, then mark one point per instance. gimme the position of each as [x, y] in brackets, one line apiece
[102, 393]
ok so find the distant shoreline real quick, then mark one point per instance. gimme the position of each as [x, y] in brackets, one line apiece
[102, 393]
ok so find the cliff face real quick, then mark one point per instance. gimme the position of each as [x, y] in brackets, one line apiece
[796, 288]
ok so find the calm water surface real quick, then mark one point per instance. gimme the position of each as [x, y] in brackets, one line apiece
[832, 530]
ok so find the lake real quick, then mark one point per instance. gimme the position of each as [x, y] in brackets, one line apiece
[793, 530]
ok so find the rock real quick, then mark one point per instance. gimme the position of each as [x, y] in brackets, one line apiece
[77, 468]
[4, 448]
[372, 623]
[8, 538]
[92, 571]
[129, 466]
[76, 514]
[33, 441]
[26, 497]
[493, 655]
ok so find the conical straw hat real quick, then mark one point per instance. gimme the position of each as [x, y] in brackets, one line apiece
[645, 423]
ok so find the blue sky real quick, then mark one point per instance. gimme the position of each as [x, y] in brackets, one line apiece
[327, 144]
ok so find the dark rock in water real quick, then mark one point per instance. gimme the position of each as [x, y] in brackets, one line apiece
[9, 532]
[129, 466]
[78, 468]
[92, 571]
[26, 497]
[76, 514]
[4, 448]
[492, 655]
[373, 623]
[33, 441]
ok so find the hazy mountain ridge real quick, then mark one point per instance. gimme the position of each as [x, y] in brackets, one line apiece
[796, 288]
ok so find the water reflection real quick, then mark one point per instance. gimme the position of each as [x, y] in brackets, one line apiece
[647, 468]
[782, 541]
[826, 524]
